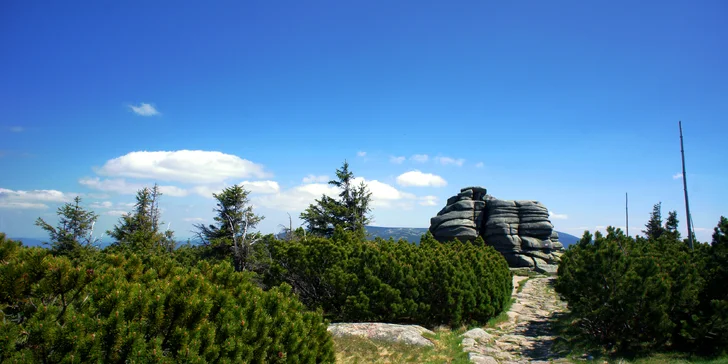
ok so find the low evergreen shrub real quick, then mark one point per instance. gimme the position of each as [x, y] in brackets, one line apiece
[428, 284]
[120, 309]
[639, 295]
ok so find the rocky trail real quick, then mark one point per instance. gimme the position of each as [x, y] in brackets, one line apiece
[527, 336]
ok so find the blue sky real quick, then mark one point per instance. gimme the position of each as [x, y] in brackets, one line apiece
[572, 103]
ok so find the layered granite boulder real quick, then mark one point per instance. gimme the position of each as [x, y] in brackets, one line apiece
[520, 230]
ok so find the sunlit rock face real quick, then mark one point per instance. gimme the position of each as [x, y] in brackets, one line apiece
[520, 230]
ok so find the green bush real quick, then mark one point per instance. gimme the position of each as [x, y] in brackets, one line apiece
[121, 309]
[638, 295]
[429, 284]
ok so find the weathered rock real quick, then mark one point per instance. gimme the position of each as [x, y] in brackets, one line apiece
[520, 230]
[458, 222]
[463, 205]
[460, 232]
[528, 242]
[478, 334]
[407, 334]
[452, 215]
[481, 359]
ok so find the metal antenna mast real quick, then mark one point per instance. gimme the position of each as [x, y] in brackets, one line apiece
[685, 188]
[626, 211]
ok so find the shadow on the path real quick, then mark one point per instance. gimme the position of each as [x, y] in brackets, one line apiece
[543, 349]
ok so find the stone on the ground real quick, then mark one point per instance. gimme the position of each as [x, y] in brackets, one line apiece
[406, 334]
[481, 359]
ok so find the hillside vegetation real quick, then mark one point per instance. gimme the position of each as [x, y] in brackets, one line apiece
[653, 294]
[239, 296]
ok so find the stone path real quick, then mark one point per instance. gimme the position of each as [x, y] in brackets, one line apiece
[527, 336]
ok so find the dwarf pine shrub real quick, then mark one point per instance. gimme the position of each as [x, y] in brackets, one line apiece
[429, 284]
[121, 309]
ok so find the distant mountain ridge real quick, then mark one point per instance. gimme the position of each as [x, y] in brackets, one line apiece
[414, 234]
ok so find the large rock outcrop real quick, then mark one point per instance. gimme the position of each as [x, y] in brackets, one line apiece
[520, 230]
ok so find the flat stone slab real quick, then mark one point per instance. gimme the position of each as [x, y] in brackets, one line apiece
[406, 334]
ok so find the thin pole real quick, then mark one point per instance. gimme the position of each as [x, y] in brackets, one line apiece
[685, 188]
[626, 211]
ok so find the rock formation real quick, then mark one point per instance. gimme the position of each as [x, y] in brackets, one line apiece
[520, 230]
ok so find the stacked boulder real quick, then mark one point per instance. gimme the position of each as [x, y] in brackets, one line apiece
[520, 230]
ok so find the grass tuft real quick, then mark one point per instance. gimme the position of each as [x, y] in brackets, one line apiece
[447, 349]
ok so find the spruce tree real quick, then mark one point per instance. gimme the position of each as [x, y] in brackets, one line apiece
[671, 225]
[140, 229]
[350, 211]
[74, 229]
[232, 232]
[654, 227]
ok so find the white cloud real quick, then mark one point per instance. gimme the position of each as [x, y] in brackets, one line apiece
[193, 219]
[207, 191]
[263, 187]
[17, 129]
[121, 186]
[555, 216]
[116, 212]
[419, 179]
[173, 191]
[479, 165]
[384, 195]
[420, 158]
[701, 229]
[315, 179]
[397, 160]
[102, 205]
[144, 109]
[22, 205]
[428, 200]
[677, 176]
[35, 199]
[188, 166]
[361, 154]
[447, 160]
[111, 185]
[300, 197]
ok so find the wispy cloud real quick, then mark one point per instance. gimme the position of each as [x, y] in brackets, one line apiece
[122, 186]
[420, 158]
[17, 129]
[479, 165]
[144, 109]
[428, 201]
[193, 219]
[418, 179]
[555, 216]
[677, 176]
[102, 205]
[447, 160]
[315, 179]
[263, 187]
[22, 205]
[115, 212]
[397, 160]
[361, 153]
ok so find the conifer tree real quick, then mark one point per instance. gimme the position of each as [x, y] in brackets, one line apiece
[654, 227]
[671, 225]
[350, 211]
[140, 229]
[232, 231]
[74, 228]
